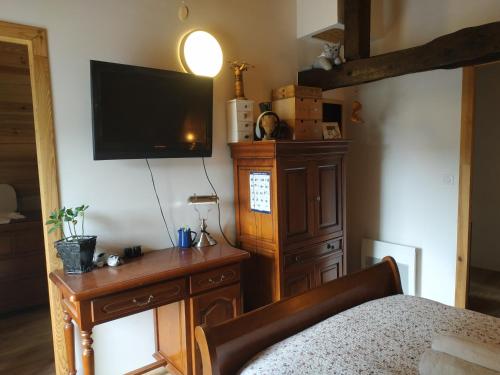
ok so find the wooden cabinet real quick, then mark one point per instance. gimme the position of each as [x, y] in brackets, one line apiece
[296, 202]
[22, 263]
[299, 279]
[214, 296]
[212, 308]
[300, 244]
[329, 205]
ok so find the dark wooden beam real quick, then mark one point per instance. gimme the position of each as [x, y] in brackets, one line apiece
[357, 29]
[470, 46]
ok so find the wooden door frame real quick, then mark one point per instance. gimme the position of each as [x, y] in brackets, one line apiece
[465, 186]
[35, 39]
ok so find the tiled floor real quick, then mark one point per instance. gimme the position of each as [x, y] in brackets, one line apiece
[484, 291]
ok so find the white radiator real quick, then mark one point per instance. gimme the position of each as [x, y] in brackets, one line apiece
[406, 257]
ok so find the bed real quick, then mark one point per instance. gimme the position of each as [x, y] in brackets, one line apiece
[359, 324]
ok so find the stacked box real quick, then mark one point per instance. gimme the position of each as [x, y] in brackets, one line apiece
[239, 120]
[302, 109]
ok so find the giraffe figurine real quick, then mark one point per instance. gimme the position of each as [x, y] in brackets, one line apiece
[238, 69]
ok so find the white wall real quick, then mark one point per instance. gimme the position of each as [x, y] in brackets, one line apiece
[485, 247]
[313, 17]
[403, 165]
[399, 163]
[123, 209]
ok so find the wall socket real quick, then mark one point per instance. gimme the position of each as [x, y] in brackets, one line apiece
[449, 179]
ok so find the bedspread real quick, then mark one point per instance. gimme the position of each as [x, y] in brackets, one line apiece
[384, 336]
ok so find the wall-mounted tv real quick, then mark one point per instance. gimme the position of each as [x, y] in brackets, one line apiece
[149, 113]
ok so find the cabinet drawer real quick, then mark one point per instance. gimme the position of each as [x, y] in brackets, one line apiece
[245, 126]
[308, 109]
[307, 130]
[134, 301]
[244, 116]
[244, 105]
[215, 278]
[313, 253]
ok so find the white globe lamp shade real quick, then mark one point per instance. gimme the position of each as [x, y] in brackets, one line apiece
[201, 54]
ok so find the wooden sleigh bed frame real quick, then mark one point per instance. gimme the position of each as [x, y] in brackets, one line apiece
[226, 347]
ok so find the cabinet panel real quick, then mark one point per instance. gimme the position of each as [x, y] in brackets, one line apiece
[328, 269]
[212, 308]
[299, 279]
[254, 224]
[329, 198]
[297, 211]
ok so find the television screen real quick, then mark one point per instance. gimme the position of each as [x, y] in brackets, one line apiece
[149, 113]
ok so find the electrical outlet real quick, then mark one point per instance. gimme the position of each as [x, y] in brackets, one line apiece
[449, 179]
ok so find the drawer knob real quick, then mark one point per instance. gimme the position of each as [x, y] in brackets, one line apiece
[221, 279]
[328, 246]
[298, 259]
[147, 302]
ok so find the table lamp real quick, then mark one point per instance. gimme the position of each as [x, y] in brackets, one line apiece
[207, 201]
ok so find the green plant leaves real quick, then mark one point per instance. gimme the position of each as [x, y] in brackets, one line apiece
[58, 217]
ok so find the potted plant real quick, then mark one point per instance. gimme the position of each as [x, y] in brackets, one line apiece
[77, 249]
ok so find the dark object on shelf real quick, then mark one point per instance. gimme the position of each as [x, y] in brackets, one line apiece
[265, 106]
[132, 252]
[77, 253]
[282, 131]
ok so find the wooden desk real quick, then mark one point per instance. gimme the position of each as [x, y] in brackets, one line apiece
[185, 287]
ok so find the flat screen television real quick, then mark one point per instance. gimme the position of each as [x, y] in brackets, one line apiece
[149, 113]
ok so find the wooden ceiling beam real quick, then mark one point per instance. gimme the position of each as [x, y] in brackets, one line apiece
[470, 46]
[357, 29]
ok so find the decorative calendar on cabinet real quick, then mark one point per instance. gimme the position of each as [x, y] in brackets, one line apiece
[260, 192]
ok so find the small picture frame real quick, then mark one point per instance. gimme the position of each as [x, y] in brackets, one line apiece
[331, 130]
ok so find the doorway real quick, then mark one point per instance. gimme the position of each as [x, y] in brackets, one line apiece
[27, 46]
[484, 268]
[478, 262]
[24, 300]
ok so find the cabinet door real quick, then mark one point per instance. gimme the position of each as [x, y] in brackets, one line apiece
[328, 269]
[297, 206]
[328, 212]
[212, 308]
[299, 279]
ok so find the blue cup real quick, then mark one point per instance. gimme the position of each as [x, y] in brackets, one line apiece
[186, 238]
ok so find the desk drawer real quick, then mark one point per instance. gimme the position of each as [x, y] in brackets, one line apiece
[137, 300]
[215, 278]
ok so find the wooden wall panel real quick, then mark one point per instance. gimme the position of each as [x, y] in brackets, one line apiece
[18, 164]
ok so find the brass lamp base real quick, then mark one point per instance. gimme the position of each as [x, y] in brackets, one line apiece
[205, 237]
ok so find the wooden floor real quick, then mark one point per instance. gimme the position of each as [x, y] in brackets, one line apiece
[484, 291]
[26, 343]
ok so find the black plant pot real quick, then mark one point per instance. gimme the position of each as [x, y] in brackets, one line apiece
[77, 253]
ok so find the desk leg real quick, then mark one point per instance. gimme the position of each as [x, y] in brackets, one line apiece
[88, 352]
[69, 332]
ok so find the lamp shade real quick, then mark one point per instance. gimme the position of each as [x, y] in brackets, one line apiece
[201, 54]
